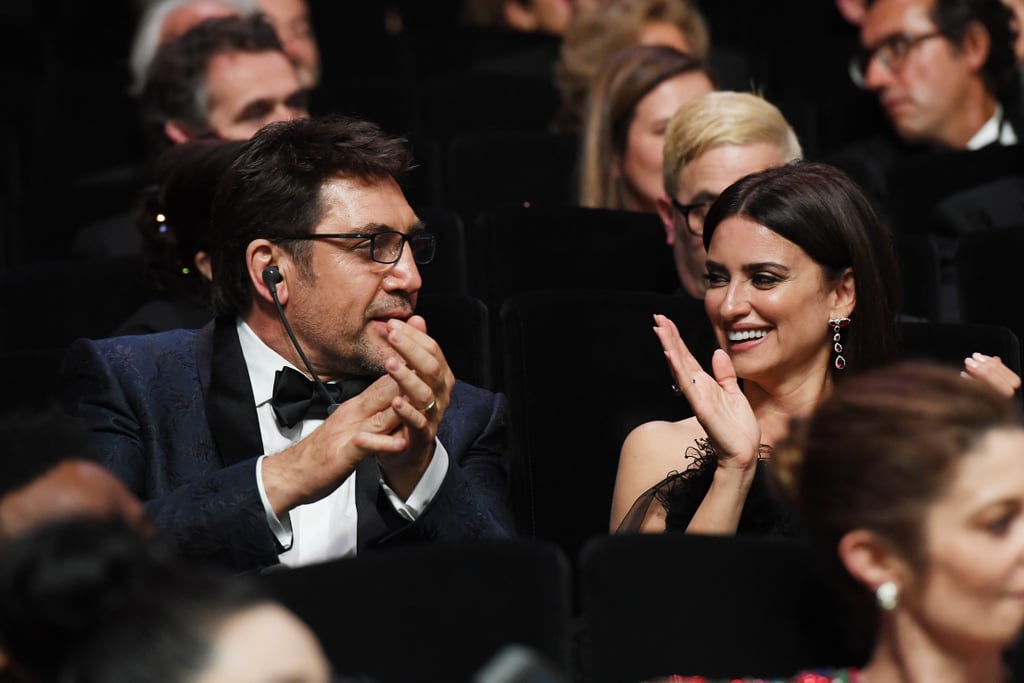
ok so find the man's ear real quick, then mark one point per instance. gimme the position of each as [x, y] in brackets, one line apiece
[178, 131]
[845, 291]
[976, 45]
[668, 218]
[204, 264]
[260, 255]
[852, 10]
[518, 16]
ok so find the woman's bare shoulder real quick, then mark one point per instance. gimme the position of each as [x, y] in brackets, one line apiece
[650, 453]
[657, 447]
[661, 434]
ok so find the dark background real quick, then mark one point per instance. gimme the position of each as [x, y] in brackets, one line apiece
[71, 145]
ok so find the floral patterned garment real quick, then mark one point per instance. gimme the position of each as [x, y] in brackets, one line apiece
[819, 676]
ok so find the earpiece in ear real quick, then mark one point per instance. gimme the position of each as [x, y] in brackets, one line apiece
[272, 277]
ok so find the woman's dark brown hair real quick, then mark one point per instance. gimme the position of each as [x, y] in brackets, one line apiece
[824, 212]
[611, 106]
[174, 218]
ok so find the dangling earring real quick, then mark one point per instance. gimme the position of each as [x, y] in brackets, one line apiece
[837, 346]
[888, 596]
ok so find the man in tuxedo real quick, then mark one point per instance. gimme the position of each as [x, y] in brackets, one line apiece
[238, 454]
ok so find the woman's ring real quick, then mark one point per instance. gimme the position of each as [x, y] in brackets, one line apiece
[676, 390]
[430, 406]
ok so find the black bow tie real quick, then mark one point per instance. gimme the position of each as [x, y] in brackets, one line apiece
[297, 398]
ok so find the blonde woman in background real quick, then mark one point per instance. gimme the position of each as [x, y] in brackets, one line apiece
[625, 119]
[603, 28]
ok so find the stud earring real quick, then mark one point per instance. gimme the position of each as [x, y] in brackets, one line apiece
[837, 325]
[888, 596]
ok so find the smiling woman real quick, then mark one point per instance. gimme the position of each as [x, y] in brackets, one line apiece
[802, 288]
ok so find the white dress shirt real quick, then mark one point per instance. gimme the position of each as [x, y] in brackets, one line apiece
[325, 529]
[996, 129]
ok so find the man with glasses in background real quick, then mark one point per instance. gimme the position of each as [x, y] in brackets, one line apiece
[315, 416]
[945, 74]
[711, 142]
[941, 69]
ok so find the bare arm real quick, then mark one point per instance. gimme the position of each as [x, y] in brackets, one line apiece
[648, 454]
[719, 512]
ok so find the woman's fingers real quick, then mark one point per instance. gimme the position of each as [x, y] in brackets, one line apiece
[725, 372]
[992, 371]
[682, 364]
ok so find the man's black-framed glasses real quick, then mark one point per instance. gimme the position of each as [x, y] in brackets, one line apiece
[385, 246]
[891, 52]
[693, 215]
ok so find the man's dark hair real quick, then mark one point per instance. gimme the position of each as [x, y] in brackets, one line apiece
[1000, 71]
[175, 87]
[35, 441]
[273, 189]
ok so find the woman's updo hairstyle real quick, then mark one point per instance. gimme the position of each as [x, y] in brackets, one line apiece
[175, 213]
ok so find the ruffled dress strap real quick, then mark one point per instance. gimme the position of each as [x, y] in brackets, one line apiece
[681, 494]
[677, 491]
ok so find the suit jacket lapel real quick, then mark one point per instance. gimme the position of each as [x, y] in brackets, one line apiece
[370, 525]
[230, 406]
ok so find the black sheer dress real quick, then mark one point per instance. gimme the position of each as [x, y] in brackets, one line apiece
[681, 493]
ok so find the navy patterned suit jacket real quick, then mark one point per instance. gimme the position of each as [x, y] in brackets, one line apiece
[173, 416]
